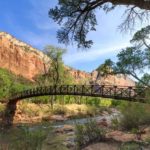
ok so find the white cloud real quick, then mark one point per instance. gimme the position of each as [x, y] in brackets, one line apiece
[41, 31]
[93, 54]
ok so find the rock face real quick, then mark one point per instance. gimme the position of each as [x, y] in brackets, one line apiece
[79, 76]
[94, 77]
[19, 57]
[118, 80]
[22, 59]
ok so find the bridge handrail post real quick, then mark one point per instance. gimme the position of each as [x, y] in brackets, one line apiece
[130, 88]
[102, 90]
[55, 88]
[92, 87]
[60, 89]
[74, 89]
[115, 91]
[67, 88]
[82, 90]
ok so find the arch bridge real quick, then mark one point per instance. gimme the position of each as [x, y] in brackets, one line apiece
[106, 91]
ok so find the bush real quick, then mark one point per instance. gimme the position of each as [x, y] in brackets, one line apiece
[40, 100]
[10, 83]
[88, 133]
[59, 110]
[29, 139]
[131, 146]
[134, 115]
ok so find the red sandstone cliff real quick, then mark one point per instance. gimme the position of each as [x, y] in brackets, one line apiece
[24, 60]
[19, 57]
[119, 79]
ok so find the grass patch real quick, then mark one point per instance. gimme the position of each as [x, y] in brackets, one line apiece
[88, 133]
[59, 110]
[132, 146]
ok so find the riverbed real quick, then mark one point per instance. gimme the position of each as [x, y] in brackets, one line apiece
[45, 135]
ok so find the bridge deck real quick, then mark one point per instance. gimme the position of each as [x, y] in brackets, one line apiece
[106, 91]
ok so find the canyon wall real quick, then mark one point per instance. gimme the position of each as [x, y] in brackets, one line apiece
[22, 59]
[118, 80]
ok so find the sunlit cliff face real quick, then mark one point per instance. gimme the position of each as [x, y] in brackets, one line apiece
[22, 59]
[19, 57]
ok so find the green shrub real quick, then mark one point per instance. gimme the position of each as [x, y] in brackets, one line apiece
[91, 111]
[88, 133]
[115, 123]
[10, 83]
[116, 103]
[29, 139]
[134, 115]
[131, 146]
[59, 110]
[40, 100]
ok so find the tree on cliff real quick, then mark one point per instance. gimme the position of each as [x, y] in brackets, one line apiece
[78, 17]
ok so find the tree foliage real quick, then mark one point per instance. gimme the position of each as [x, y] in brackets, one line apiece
[10, 83]
[135, 60]
[105, 68]
[56, 72]
[146, 79]
[78, 17]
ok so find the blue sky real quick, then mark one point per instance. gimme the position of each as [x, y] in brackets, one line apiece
[28, 21]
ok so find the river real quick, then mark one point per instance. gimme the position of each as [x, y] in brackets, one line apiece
[41, 135]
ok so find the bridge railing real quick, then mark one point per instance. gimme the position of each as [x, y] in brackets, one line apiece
[107, 91]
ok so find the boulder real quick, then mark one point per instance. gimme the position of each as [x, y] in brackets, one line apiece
[121, 136]
[103, 122]
[65, 129]
[58, 118]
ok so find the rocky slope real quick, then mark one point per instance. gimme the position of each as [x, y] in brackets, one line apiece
[22, 59]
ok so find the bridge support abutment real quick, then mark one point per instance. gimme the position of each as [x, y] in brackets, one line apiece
[9, 114]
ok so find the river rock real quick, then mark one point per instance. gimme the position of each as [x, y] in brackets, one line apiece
[65, 129]
[147, 130]
[103, 122]
[69, 142]
[58, 118]
[102, 146]
[146, 135]
[105, 113]
[121, 136]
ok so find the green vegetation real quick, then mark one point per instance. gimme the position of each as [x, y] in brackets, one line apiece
[132, 146]
[78, 18]
[133, 60]
[10, 83]
[24, 137]
[133, 116]
[88, 133]
[59, 110]
[57, 73]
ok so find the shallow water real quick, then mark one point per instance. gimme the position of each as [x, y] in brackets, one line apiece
[40, 136]
[108, 117]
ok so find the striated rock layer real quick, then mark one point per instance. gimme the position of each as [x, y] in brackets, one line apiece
[19, 57]
[22, 59]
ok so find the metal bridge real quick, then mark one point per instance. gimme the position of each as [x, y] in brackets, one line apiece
[106, 91]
